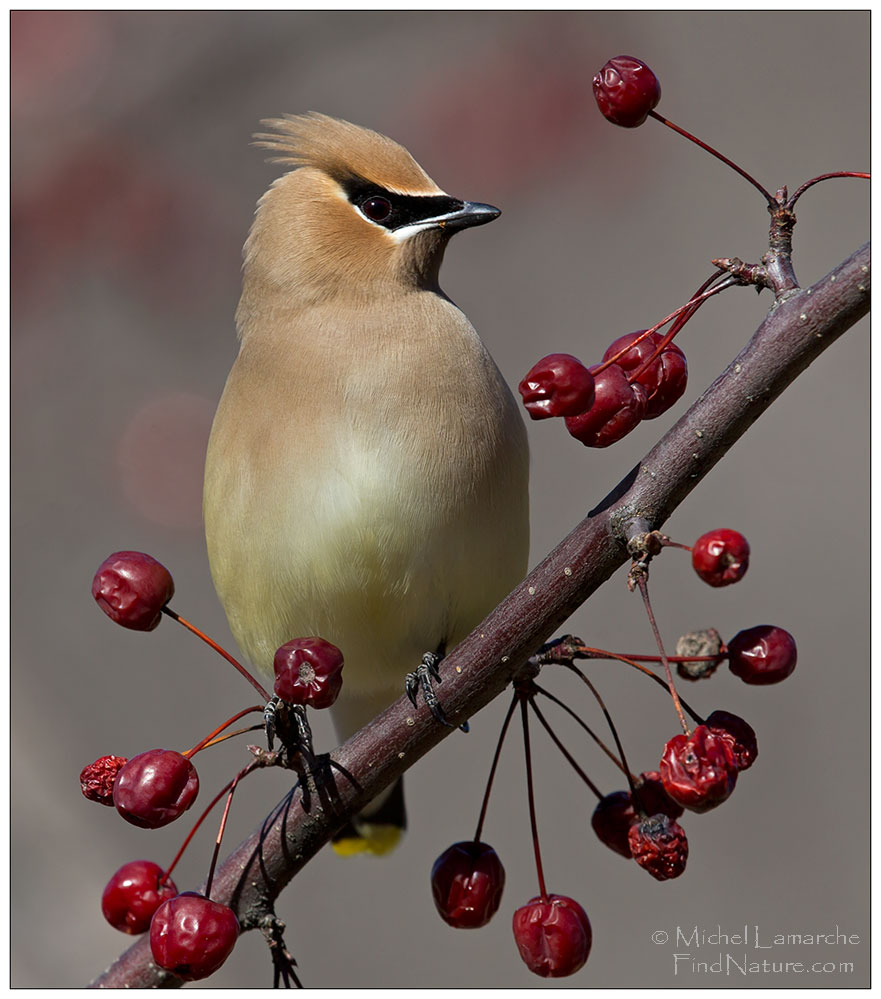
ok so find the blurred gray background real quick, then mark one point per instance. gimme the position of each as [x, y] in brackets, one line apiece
[133, 189]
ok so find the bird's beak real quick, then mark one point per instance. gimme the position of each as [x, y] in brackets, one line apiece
[470, 214]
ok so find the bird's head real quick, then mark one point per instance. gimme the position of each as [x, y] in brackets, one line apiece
[357, 216]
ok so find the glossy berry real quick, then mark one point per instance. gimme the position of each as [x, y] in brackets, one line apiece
[653, 798]
[698, 771]
[132, 588]
[553, 936]
[308, 671]
[155, 788]
[133, 894]
[97, 779]
[557, 385]
[192, 936]
[665, 378]
[764, 654]
[626, 90]
[612, 819]
[659, 845]
[720, 557]
[738, 734]
[467, 882]
[617, 408]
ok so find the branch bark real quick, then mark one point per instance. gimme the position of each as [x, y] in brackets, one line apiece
[795, 332]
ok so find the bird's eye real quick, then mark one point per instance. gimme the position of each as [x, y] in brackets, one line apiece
[377, 209]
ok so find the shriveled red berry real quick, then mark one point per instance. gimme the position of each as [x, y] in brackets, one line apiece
[653, 797]
[557, 385]
[308, 671]
[617, 408]
[467, 880]
[698, 771]
[738, 734]
[720, 557]
[132, 588]
[659, 844]
[764, 654]
[626, 90]
[192, 936]
[155, 788]
[612, 819]
[96, 779]
[665, 378]
[553, 936]
[133, 894]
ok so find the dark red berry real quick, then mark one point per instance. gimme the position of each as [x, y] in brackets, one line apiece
[617, 408]
[192, 936]
[665, 378]
[626, 90]
[720, 557]
[707, 642]
[132, 588]
[467, 881]
[96, 780]
[557, 385]
[698, 771]
[612, 819]
[659, 844]
[133, 894]
[308, 671]
[155, 787]
[553, 936]
[738, 734]
[653, 798]
[764, 654]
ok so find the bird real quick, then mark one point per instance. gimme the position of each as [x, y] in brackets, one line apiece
[366, 477]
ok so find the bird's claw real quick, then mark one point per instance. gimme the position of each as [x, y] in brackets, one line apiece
[423, 678]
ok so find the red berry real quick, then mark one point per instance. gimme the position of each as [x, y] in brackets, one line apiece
[308, 671]
[467, 882]
[738, 734]
[720, 557]
[133, 894]
[659, 844]
[155, 787]
[132, 588]
[612, 819]
[96, 780]
[626, 90]
[764, 654]
[192, 936]
[666, 376]
[698, 771]
[617, 408]
[553, 936]
[557, 385]
[653, 798]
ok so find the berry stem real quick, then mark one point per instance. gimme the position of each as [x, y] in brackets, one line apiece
[190, 753]
[492, 769]
[824, 176]
[222, 828]
[570, 759]
[716, 153]
[524, 714]
[644, 591]
[217, 648]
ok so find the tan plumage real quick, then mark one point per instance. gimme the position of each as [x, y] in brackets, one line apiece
[366, 477]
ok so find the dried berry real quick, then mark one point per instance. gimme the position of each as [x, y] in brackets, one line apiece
[133, 894]
[617, 408]
[155, 788]
[192, 936]
[666, 376]
[659, 844]
[739, 736]
[97, 779]
[308, 671]
[626, 90]
[467, 880]
[699, 643]
[698, 771]
[557, 385]
[764, 654]
[612, 819]
[720, 557]
[653, 798]
[553, 936]
[132, 588]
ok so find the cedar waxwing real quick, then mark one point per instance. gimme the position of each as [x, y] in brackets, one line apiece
[367, 473]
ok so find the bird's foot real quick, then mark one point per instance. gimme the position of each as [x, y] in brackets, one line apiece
[423, 678]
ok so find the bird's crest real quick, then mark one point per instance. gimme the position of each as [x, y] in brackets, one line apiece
[343, 150]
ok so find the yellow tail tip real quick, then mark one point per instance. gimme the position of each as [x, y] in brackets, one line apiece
[376, 840]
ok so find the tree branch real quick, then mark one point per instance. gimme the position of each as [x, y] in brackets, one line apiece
[795, 332]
